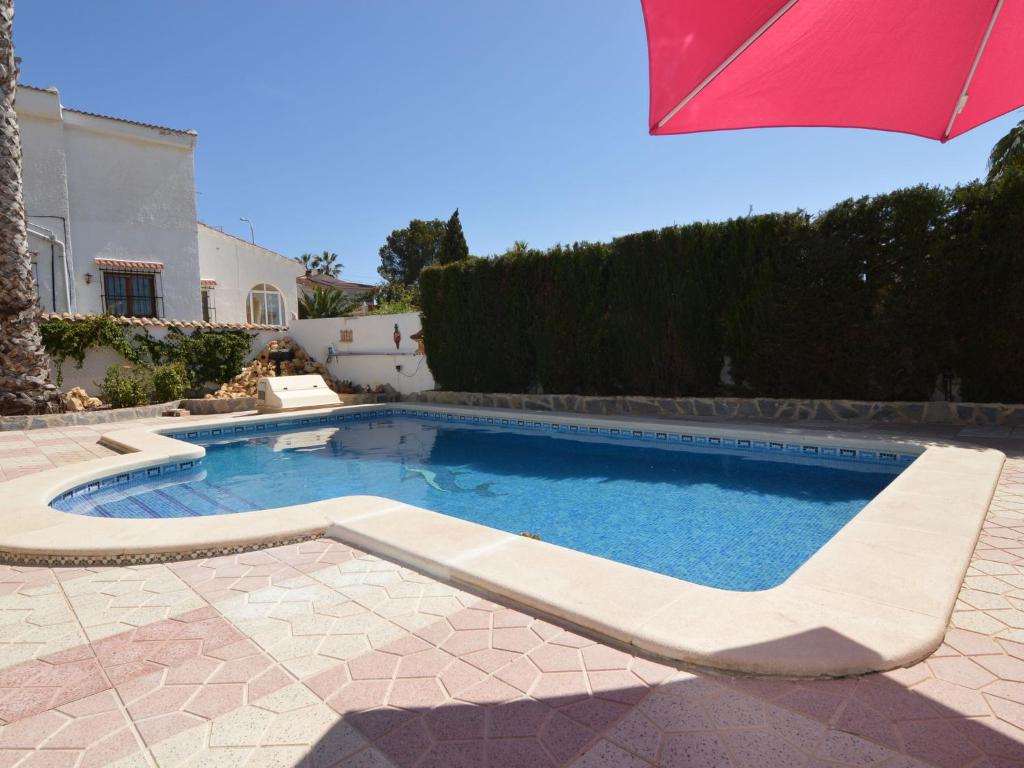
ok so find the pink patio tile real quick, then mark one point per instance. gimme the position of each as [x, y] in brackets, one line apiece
[373, 665]
[675, 713]
[459, 676]
[509, 618]
[951, 700]
[964, 671]
[489, 691]
[465, 641]
[156, 729]
[935, 742]
[602, 657]
[490, 659]
[161, 701]
[565, 738]
[637, 734]
[695, 750]
[515, 639]
[598, 714]
[556, 658]
[360, 695]
[416, 693]
[428, 663]
[213, 700]
[328, 682]
[457, 722]
[520, 674]
[558, 688]
[517, 753]
[455, 755]
[406, 744]
[470, 618]
[617, 685]
[862, 720]
[30, 732]
[1003, 667]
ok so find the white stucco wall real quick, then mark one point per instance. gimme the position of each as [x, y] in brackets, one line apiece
[126, 190]
[44, 172]
[370, 358]
[237, 266]
[96, 363]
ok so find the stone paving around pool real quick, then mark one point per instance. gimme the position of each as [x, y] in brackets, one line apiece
[318, 654]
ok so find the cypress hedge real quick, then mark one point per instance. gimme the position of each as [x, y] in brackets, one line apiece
[874, 299]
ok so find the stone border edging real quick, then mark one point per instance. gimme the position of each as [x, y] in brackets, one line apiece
[74, 418]
[718, 408]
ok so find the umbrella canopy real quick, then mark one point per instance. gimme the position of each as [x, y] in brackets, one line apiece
[933, 68]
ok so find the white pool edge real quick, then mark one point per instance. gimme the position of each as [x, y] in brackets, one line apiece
[878, 595]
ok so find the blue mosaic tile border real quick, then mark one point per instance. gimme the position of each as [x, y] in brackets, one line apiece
[669, 435]
[134, 477]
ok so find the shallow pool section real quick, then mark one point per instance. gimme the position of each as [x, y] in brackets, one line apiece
[735, 520]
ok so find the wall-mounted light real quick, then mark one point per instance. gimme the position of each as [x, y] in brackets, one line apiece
[88, 278]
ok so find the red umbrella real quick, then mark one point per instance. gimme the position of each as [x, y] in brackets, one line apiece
[934, 68]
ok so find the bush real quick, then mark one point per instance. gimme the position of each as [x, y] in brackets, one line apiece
[126, 386]
[170, 382]
[872, 299]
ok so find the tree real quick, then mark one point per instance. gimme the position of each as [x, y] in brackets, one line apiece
[1007, 154]
[407, 251]
[325, 263]
[324, 302]
[453, 247]
[25, 385]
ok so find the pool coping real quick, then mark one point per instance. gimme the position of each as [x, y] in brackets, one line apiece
[878, 595]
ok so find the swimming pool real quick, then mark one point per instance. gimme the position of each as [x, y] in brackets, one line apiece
[738, 520]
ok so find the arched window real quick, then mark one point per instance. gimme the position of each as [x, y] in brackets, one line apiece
[265, 305]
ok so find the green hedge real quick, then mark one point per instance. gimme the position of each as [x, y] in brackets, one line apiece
[872, 299]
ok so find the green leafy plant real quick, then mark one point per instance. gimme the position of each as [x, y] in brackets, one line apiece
[170, 382]
[324, 302]
[127, 386]
[72, 339]
[205, 355]
[395, 299]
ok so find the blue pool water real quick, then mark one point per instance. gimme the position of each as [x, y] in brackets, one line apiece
[729, 520]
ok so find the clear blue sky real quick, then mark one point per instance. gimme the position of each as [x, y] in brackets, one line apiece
[331, 122]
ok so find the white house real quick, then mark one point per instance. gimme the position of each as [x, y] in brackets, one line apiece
[111, 206]
[243, 282]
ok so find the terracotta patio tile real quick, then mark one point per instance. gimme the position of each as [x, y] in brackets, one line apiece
[517, 753]
[456, 721]
[935, 742]
[556, 658]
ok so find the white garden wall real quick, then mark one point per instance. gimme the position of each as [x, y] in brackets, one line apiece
[98, 361]
[371, 357]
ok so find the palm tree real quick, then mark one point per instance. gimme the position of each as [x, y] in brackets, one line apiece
[25, 385]
[1007, 154]
[325, 263]
[324, 302]
[328, 264]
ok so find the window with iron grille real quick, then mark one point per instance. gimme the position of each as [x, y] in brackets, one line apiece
[131, 294]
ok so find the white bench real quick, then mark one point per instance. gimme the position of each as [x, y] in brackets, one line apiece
[287, 393]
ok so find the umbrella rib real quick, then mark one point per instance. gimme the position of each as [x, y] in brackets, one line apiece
[735, 54]
[962, 101]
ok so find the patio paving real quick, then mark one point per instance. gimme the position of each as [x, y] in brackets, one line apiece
[320, 655]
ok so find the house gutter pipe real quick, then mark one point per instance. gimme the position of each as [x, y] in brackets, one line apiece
[51, 237]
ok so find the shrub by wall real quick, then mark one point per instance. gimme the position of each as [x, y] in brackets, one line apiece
[872, 299]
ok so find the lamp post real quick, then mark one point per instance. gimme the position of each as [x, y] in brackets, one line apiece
[252, 232]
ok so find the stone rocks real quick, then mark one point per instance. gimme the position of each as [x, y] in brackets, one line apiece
[78, 399]
[244, 384]
[729, 408]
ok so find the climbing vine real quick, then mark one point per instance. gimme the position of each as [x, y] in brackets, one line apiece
[72, 339]
[206, 356]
